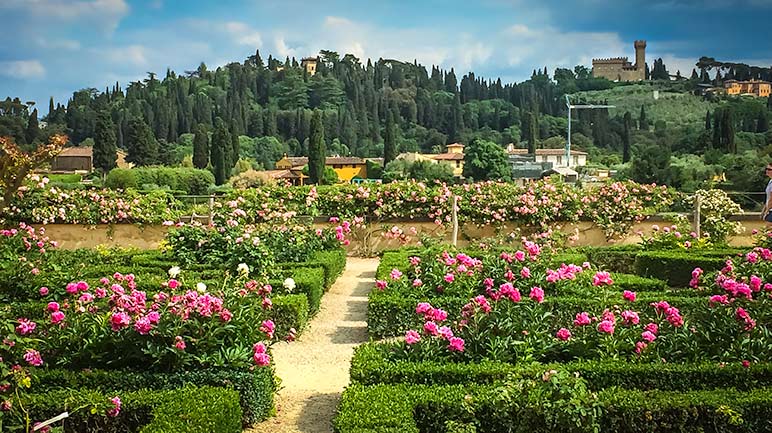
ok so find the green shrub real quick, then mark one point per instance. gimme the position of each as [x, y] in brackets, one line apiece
[308, 280]
[393, 259]
[419, 408]
[121, 178]
[675, 267]
[189, 409]
[634, 283]
[256, 388]
[613, 259]
[289, 311]
[371, 365]
[333, 262]
[187, 180]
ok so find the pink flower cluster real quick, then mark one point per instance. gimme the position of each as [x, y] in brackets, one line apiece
[433, 315]
[672, 314]
[695, 281]
[116, 409]
[745, 318]
[602, 278]
[565, 272]
[260, 355]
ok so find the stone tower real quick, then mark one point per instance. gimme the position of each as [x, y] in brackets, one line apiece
[640, 55]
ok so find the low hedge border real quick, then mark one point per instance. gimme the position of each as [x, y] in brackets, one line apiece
[370, 366]
[390, 314]
[308, 281]
[255, 388]
[675, 267]
[333, 262]
[427, 409]
[189, 409]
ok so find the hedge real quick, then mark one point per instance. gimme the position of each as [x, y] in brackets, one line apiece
[308, 281]
[256, 388]
[430, 409]
[333, 262]
[675, 267]
[188, 180]
[370, 366]
[392, 314]
[189, 409]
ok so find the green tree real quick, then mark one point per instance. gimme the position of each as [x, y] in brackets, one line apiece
[105, 142]
[707, 121]
[316, 149]
[141, 145]
[33, 127]
[220, 148]
[651, 164]
[390, 139]
[200, 147]
[643, 123]
[628, 124]
[486, 160]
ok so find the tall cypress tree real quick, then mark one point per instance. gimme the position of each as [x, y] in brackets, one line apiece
[105, 150]
[235, 148]
[141, 144]
[762, 123]
[200, 147]
[533, 133]
[389, 139]
[728, 130]
[221, 144]
[707, 121]
[33, 127]
[51, 110]
[642, 121]
[628, 120]
[316, 149]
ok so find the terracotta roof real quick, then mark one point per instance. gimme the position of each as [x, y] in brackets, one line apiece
[299, 161]
[77, 151]
[281, 174]
[547, 152]
[448, 156]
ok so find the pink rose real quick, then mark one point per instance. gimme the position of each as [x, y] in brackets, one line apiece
[563, 334]
[412, 337]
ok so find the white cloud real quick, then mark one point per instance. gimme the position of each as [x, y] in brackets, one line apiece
[104, 13]
[244, 34]
[59, 44]
[22, 69]
[134, 55]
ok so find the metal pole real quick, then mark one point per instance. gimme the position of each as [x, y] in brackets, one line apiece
[697, 215]
[454, 214]
[568, 141]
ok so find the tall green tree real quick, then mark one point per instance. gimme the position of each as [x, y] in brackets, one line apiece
[390, 139]
[105, 143]
[200, 147]
[643, 123]
[316, 149]
[220, 148]
[33, 127]
[140, 143]
[707, 121]
[628, 123]
[486, 160]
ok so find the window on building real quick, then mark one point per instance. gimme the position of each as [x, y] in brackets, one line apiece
[576, 160]
[560, 159]
[458, 164]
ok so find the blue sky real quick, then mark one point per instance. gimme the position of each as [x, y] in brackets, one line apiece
[53, 47]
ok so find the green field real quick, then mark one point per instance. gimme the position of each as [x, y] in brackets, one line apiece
[675, 108]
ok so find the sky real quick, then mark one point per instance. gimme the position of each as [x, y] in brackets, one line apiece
[50, 48]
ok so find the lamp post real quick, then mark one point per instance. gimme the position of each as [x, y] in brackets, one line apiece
[570, 106]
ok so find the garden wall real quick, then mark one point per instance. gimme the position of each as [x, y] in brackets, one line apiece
[371, 240]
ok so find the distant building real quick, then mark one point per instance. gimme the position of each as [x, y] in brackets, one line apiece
[309, 63]
[346, 167]
[73, 159]
[556, 157]
[753, 87]
[453, 158]
[620, 69]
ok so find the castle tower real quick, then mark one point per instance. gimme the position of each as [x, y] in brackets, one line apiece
[640, 55]
[309, 63]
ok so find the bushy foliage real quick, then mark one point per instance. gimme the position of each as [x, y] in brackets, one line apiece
[188, 180]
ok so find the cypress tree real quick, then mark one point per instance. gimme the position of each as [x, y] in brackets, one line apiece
[141, 144]
[33, 127]
[200, 147]
[389, 140]
[105, 150]
[642, 122]
[51, 109]
[762, 124]
[316, 149]
[221, 143]
[235, 149]
[707, 121]
[533, 133]
[628, 120]
[728, 131]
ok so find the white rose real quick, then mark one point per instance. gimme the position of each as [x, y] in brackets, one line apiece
[201, 287]
[174, 271]
[289, 284]
[243, 269]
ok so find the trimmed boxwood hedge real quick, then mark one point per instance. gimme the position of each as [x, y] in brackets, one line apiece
[308, 281]
[370, 366]
[189, 409]
[427, 409]
[675, 267]
[256, 388]
[333, 262]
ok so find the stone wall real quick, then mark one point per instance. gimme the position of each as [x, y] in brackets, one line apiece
[363, 241]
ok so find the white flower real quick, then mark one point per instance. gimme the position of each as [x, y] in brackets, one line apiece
[243, 269]
[201, 287]
[289, 284]
[174, 271]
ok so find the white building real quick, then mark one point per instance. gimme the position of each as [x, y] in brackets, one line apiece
[556, 156]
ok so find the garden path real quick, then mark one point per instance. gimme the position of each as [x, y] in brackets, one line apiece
[315, 368]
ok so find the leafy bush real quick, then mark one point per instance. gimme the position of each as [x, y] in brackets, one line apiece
[189, 180]
[307, 280]
[190, 409]
[674, 267]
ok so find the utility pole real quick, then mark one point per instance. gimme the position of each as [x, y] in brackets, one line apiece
[577, 107]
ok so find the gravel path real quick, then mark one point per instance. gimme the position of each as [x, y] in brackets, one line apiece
[315, 368]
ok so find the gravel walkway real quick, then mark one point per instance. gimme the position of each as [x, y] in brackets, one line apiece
[315, 368]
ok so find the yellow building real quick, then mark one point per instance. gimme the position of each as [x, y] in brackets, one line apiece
[346, 167]
[309, 63]
[620, 69]
[753, 87]
[453, 157]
